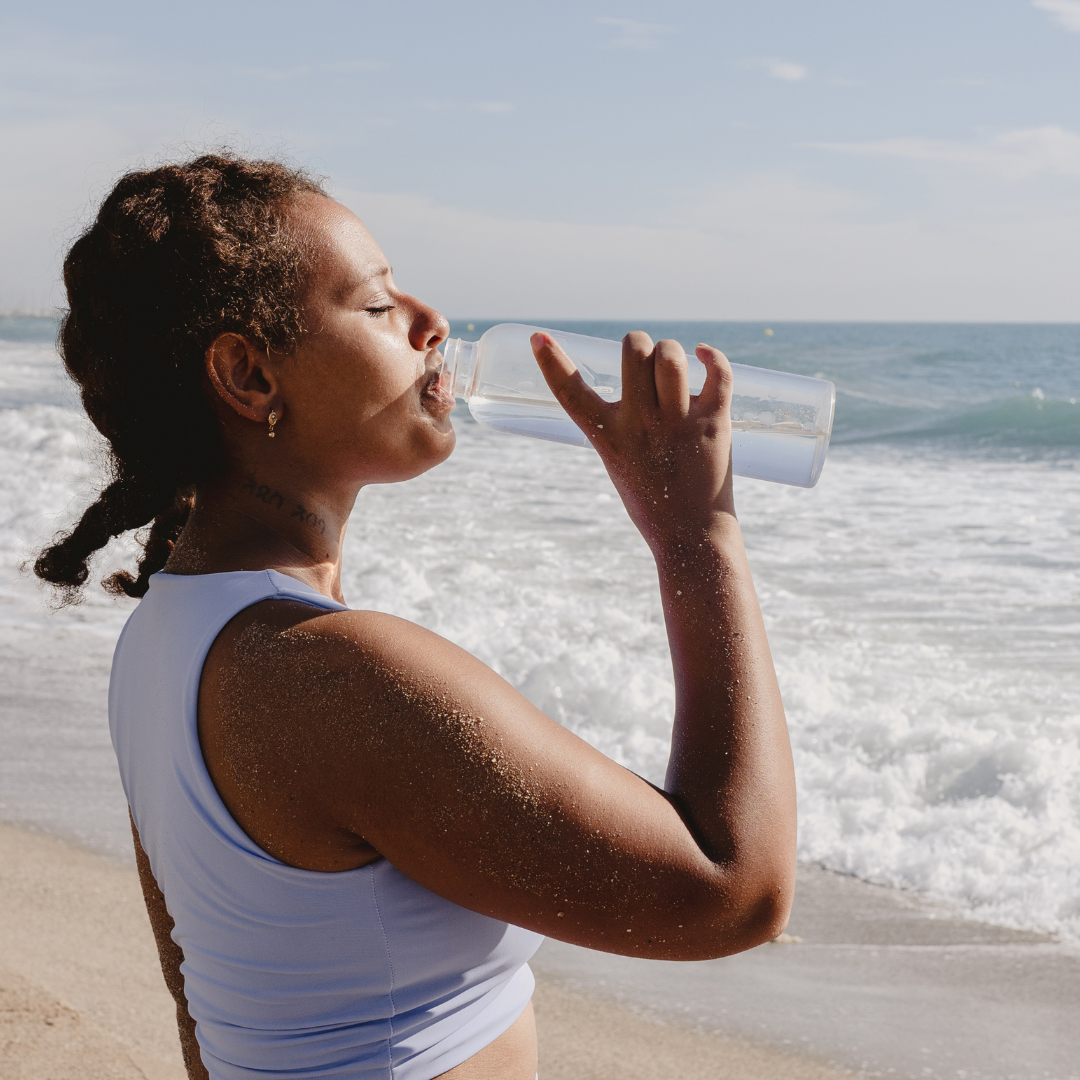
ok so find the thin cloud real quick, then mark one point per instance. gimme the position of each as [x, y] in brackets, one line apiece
[637, 36]
[775, 68]
[493, 106]
[1066, 13]
[1013, 154]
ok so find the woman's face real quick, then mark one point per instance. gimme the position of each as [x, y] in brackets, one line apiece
[360, 396]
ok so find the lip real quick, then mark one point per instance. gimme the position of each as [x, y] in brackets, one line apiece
[435, 390]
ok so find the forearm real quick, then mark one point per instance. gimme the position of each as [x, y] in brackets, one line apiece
[730, 770]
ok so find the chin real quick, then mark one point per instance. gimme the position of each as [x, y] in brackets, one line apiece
[447, 442]
[438, 434]
[429, 449]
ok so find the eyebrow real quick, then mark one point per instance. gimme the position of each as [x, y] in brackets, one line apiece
[348, 287]
[382, 271]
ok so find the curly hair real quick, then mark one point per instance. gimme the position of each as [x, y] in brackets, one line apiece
[176, 256]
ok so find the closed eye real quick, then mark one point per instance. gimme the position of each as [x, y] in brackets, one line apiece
[375, 312]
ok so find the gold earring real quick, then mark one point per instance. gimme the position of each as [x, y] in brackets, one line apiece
[272, 420]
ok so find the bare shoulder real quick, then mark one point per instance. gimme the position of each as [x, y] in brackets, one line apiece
[313, 662]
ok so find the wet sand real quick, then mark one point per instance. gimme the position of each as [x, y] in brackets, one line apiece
[81, 994]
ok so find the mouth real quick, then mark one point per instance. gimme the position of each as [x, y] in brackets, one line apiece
[435, 392]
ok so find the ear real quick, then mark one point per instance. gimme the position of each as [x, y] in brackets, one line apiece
[240, 374]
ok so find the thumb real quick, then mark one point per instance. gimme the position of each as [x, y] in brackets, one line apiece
[582, 404]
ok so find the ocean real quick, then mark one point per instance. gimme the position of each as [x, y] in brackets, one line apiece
[921, 601]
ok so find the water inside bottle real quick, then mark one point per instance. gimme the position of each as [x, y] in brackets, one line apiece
[785, 457]
[516, 418]
[781, 452]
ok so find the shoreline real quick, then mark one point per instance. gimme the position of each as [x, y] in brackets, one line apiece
[81, 992]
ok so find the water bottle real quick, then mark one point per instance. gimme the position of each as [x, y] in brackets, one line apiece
[780, 422]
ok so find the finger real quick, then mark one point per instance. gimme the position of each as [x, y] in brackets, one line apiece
[582, 404]
[638, 378]
[672, 378]
[716, 393]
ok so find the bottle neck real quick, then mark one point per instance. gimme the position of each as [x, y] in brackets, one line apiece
[459, 366]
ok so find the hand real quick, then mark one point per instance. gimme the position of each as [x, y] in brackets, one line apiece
[667, 452]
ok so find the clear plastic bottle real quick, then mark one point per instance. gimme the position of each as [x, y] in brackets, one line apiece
[780, 422]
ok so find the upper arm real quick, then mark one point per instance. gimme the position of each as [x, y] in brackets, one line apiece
[377, 728]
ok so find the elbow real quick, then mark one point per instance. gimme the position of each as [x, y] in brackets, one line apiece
[744, 914]
[765, 915]
[756, 891]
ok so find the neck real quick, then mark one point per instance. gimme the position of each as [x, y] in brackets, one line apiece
[248, 522]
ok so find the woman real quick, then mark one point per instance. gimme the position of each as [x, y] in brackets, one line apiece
[351, 834]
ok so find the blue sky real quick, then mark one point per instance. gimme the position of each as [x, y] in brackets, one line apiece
[768, 160]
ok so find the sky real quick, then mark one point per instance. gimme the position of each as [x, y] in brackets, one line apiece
[767, 160]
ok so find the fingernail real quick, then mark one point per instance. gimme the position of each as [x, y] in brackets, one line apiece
[539, 341]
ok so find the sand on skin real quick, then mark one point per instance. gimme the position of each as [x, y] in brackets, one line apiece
[81, 994]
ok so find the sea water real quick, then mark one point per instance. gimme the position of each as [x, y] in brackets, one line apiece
[922, 602]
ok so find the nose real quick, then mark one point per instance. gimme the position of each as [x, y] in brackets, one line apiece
[428, 326]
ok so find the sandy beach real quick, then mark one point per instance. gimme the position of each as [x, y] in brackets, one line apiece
[81, 995]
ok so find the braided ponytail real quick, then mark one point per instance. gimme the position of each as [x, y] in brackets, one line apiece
[176, 256]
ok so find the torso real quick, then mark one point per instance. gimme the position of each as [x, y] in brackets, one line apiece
[261, 760]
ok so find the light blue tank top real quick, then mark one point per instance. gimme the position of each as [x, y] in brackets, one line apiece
[287, 972]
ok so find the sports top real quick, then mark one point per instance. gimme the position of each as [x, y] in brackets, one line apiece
[288, 972]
